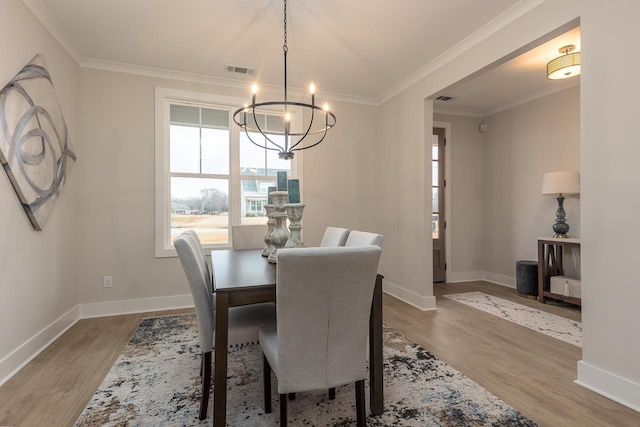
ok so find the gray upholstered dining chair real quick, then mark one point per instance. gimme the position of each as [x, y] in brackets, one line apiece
[244, 322]
[249, 236]
[334, 236]
[319, 342]
[360, 238]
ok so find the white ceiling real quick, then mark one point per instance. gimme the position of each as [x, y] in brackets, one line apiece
[356, 49]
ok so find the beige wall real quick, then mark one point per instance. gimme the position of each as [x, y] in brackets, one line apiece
[37, 269]
[116, 228]
[608, 157]
[520, 145]
[610, 199]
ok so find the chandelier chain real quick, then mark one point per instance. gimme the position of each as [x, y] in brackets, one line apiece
[284, 47]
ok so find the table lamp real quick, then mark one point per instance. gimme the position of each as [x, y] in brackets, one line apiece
[560, 184]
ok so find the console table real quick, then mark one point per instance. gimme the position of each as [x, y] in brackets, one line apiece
[551, 263]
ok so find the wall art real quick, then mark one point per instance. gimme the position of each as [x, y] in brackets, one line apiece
[35, 150]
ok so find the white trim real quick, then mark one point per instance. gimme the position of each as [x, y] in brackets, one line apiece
[510, 15]
[161, 115]
[464, 276]
[26, 352]
[411, 298]
[609, 385]
[163, 96]
[499, 279]
[47, 21]
[130, 306]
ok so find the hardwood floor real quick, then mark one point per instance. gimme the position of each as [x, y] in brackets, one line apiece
[530, 371]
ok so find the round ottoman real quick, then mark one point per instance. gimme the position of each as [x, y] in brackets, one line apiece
[527, 279]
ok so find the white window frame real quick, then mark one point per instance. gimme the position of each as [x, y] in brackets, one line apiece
[163, 98]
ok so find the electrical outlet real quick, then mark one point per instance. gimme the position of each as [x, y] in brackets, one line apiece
[108, 281]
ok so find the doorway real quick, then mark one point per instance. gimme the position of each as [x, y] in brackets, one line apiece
[438, 223]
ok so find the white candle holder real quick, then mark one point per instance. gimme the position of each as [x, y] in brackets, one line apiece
[271, 223]
[280, 233]
[294, 213]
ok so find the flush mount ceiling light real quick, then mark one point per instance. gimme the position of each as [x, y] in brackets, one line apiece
[567, 65]
[283, 140]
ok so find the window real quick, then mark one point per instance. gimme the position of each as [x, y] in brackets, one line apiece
[209, 176]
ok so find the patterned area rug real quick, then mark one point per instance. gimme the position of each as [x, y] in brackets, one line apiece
[558, 327]
[155, 382]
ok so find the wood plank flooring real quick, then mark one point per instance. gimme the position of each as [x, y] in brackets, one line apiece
[530, 371]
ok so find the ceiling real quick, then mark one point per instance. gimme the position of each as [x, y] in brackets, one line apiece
[360, 50]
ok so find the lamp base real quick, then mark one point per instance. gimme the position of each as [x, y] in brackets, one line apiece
[560, 228]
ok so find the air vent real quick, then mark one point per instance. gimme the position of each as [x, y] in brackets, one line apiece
[240, 70]
[444, 98]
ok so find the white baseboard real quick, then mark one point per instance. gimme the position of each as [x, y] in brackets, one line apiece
[411, 298]
[464, 276]
[22, 355]
[471, 276]
[499, 279]
[609, 385]
[130, 306]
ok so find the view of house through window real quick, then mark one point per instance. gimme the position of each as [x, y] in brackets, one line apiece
[201, 150]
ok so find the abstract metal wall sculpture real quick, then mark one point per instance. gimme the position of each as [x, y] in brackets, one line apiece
[35, 150]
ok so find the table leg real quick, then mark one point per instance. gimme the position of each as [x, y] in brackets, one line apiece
[376, 380]
[220, 365]
[542, 271]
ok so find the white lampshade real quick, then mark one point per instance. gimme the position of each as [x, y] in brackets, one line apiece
[561, 183]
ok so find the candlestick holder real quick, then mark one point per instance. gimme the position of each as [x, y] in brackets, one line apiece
[271, 223]
[280, 233]
[294, 213]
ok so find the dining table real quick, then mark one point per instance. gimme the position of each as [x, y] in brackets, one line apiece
[245, 277]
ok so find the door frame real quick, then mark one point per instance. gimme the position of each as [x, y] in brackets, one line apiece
[447, 197]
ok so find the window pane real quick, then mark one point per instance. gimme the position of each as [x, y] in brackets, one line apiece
[274, 163]
[215, 151]
[252, 156]
[215, 118]
[434, 148]
[253, 198]
[202, 205]
[434, 199]
[435, 226]
[184, 143]
[183, 114]
[434, 173]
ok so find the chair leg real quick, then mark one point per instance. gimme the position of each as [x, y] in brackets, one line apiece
[283, 410]
[332, 393]
[266, 373]
[361, 414]
[205, 367]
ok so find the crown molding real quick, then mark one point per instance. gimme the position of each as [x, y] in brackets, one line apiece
[487, 30]
[42, 14]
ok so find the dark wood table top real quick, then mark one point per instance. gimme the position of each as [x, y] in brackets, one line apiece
[240, 269]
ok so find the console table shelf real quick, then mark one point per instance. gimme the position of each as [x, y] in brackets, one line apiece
[551, 263]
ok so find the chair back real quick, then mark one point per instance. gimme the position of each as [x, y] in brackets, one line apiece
[194, 264]
[248, 236]
[334, 236]
[323, 304]
[363, 238]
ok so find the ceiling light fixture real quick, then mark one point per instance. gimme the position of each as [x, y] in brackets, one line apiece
[245, 117]
[567, 65]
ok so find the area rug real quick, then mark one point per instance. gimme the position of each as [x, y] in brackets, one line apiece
[558, 327]
[155, 382]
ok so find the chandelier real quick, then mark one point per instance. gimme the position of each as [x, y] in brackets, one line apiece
[316, 130]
